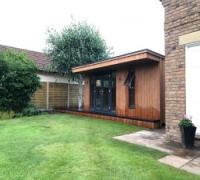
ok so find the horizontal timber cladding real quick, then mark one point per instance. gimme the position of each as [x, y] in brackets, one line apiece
[58, 95]
[73, 95]
[53, 95]
[147, 93]
[39, 99]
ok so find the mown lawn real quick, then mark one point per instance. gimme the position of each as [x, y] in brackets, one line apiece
[73, 147]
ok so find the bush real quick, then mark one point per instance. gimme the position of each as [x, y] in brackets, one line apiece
[18, 81]
[30, 110]
[6, 115]
[186, 122]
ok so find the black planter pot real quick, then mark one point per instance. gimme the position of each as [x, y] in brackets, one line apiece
[188, 136]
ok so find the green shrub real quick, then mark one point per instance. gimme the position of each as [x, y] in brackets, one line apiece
[18, 81]
[31, 110]
[186, 122]
[6, 115]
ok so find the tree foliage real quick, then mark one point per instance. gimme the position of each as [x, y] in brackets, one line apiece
[77, 44]
[18, 81]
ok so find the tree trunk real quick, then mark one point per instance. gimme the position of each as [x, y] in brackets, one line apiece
[80, 96]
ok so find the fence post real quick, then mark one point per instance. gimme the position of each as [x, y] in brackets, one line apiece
[68, 94]
[47, 96]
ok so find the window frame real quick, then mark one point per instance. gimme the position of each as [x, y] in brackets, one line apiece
[130, 82]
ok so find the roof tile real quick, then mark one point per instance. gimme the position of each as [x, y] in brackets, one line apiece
[41, 60]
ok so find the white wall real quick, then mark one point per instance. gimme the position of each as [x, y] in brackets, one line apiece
[193, 83]
[54, 78]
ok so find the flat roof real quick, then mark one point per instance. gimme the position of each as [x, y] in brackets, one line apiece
[142, 55]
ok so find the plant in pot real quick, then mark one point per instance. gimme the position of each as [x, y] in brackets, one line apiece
[187, 132]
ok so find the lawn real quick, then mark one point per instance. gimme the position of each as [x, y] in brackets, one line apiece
[73, 147]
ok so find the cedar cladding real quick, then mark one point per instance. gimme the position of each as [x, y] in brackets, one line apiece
[149, 89]
[147, 93]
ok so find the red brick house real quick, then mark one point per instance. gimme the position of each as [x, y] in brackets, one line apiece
[182, 63]
[56, 91]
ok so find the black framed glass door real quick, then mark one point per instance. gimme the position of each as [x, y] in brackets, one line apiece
[103, 93]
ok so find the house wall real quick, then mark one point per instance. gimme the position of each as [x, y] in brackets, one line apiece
[55, 92]
[148, 103]
[182, 26]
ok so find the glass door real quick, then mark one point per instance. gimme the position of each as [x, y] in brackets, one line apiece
[103, 93]
[98, 94]
[106, 95]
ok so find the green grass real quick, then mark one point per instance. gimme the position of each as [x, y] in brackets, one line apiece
[73, 147]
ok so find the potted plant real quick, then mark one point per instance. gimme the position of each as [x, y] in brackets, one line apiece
[187, 132]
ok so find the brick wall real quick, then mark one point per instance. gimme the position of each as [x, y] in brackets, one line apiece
[181, 17]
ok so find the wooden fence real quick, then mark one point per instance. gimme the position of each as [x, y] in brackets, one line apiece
[55, 95]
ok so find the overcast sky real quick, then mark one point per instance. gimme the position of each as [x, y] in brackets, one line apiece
[126, 25]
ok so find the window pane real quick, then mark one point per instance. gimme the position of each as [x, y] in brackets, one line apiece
[131, 97]
[106, 99]
[113, 100]
[106, 83]
[98, 98]
[131, 86]
[98, 83]
[130, 77]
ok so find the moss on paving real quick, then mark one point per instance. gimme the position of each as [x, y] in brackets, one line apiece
[73, 147]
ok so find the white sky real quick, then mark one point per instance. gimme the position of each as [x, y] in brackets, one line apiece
[126, 25]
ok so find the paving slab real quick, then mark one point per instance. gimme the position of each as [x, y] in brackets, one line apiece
[185, 159]
[150, 139]
[174, 161]
[193, 166]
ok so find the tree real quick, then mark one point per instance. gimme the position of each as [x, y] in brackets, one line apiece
[18, 81]
[77, 44]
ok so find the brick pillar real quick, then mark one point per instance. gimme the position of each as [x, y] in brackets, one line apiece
[181, 17]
